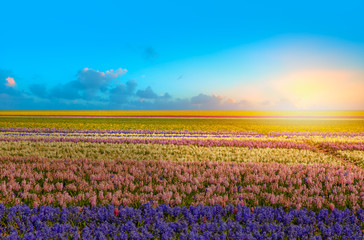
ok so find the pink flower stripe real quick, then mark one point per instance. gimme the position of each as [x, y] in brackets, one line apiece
[319, 134]
[343, 145]
[64, 182]
[197, 142]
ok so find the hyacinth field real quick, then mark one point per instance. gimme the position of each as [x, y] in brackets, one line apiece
[222, 175]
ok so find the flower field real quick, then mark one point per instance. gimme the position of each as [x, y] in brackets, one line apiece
[181, 178]
[260, 125]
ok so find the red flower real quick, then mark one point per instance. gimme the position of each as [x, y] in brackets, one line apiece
[116, 212]
[331, 206]
[235, 210]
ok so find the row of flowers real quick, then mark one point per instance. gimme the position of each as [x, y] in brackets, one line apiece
[64, 182]
[244, 139]
[200, 137]
[167, 152]
[181, 141]
[343, 145]
[184, 132]
[197, 142]
[165, 222]
[123, 131]
[176, 136]
[264, 125]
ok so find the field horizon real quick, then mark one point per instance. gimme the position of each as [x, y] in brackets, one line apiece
[186, 113]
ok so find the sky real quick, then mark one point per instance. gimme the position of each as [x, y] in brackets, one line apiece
[213, 55]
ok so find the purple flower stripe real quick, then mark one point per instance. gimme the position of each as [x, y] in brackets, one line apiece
[165, 222]
[120, 131]
[197, 142]
[132, 135]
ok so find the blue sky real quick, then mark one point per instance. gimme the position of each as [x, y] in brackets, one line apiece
[241, 55]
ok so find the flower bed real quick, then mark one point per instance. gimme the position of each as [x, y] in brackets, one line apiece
[104, 151]
[164, 222]
[82, 182]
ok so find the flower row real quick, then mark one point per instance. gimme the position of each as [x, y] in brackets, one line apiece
[197, 142]
[177, 136]
[43, 181]
[343, 145]
[164, 222]
[264, 125]
[131, 131]
[165, 152]
[184, 132]
[181, 141]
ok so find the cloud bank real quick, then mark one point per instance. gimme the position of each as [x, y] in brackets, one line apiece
[93, 89]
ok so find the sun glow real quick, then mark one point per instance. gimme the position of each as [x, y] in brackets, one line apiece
[310, 89]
